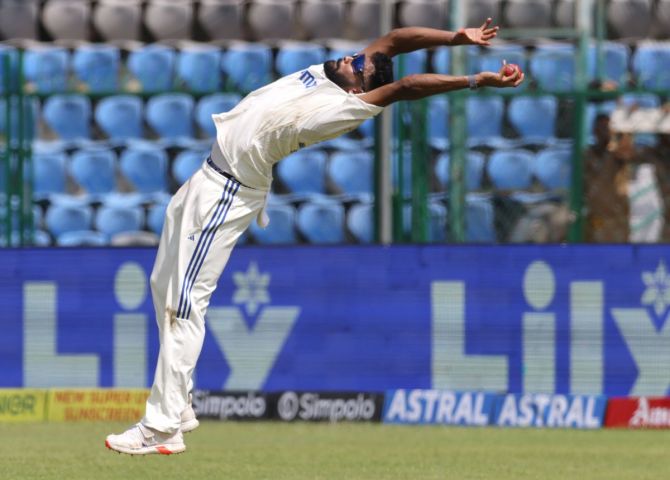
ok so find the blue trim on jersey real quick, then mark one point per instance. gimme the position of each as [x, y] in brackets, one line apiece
[201, 241]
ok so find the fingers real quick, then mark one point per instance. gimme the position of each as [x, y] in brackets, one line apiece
[486, 24]
[520, 80]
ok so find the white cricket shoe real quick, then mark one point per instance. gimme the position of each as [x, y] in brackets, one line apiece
[141, 440]
[188, 420]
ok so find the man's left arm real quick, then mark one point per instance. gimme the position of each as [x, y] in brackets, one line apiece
[408, 39]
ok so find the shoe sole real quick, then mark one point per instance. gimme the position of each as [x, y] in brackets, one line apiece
[158, 449]
[189, 425]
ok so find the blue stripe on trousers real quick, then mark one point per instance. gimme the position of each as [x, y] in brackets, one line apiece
[201, 242]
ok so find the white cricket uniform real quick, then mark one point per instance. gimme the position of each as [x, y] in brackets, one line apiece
[210, 211]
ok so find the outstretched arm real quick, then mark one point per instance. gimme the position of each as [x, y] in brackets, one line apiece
[408, 39]
[418, 86]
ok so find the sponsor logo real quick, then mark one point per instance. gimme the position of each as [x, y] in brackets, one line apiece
[22, 405]
[328, 407]
[96, 405]
[646, 416]
[435, 406]
[554, 411]
[307, 79]
[230, 405]
[640, 412]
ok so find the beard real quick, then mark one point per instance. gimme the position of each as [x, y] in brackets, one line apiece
[330, 68]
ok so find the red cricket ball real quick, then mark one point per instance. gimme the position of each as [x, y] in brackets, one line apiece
[509, 69]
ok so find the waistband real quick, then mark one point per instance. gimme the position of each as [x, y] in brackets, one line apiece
[218, 170]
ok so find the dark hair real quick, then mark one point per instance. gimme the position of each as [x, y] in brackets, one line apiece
[383, 70]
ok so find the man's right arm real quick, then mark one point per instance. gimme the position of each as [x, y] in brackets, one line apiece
[414, 87]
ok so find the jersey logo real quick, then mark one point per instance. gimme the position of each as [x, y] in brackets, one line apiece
[307, 79]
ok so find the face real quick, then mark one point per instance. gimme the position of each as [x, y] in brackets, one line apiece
[354, 71]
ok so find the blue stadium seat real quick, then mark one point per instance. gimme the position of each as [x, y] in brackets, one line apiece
[120, 117]
[156, 217]
[474, 170]
[295, 56]
[651, 65]
[511, 169]
[94, 170]
[553, 66]
[145, 166]
[248, 66]
[46, 68]
[352, 172]
[210, 105]
[186, 163]
[479, 227]
[113, 220]
[48, 174]
[360, 222]
[321, 221]
[615, 57]
[198, 67]
[170, 115]
[69, 116]
[82, 238]
[641, 100]
[412, 62]
[485, 119]
[41, 238]
[552, 168]
[442, 60]
[68, 218]
[8, 77]
[438, 122]
[437, 222]
[153, 66]
[281, 228]
[534, 118]
[304, 171]
[97, 66]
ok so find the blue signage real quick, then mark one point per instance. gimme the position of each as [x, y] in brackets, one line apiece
[579, 320]
[438, 407]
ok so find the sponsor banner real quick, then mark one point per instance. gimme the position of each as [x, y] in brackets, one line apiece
[231, 405]
[438, 407]
[22, 405]
[328, 407]
[69, 405]
[642, 412]
[552, 411]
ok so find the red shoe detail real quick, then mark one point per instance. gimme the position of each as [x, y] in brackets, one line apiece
[163, 451]
[107, 444]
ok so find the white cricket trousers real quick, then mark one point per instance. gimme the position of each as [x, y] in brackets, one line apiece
[203, 221]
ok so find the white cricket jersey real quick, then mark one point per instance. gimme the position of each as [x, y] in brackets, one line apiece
[276, 120]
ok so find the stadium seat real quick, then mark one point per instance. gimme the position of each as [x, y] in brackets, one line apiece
[94, 170]
[156, 217]
[272, 19]
[281, 228]
[410, 63]
[564, 13]
[479, 226]
[304, 171]
[651, 65]
[480, 10]
[113, 220]
[45, 68]
[81, 238]
[68, 218]
[640, 100]
[48, 174]
[552, 168]
[364, 19]
[511, 169]
[360, 222]
[323, 18]
[186, 163]
[528, 13]
[169, 19]
[69, 116]
[213, 104]
[442, 60]
[198, 68]
[120, 117]
[170, 115]
[352, 172]
[295, 56]
[422, 13]
[67, 19]
[222, 19]
[553, 67]
[153, 66]
[97, 67]
[321, 221]
[116, 20]
[534, 118]
[145, 167]
[438, 122]
[474, 170]
[8, 78]
[248, 66]
[437, 222]
[41, 238]
[485, 119]
[18, 19]
[615, 57]
[662, 17]
[629, 18]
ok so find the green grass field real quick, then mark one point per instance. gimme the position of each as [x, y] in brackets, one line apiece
[276, 451]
